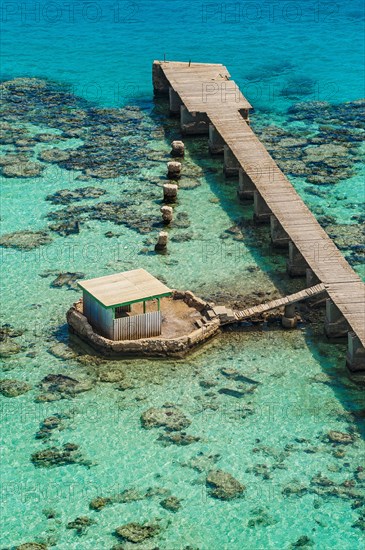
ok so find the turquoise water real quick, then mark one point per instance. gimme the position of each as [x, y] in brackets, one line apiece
[279, 53]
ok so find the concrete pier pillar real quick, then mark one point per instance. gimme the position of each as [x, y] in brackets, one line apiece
[216, 142]
[289, 319]
[173, 170]
[193, 123]
[161, 245]
[231, 164]
[177, 148]
[355, 359]
[335, 324]
[279, 237]
[262, 212]
[246, 187]
[167, 214]
[160, 83]
[296, 265]
[169, 192]
[174, 102]
[311, 277]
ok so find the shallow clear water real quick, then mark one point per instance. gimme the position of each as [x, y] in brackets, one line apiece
[104, 51]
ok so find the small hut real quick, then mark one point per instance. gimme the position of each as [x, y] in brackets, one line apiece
[124, 306]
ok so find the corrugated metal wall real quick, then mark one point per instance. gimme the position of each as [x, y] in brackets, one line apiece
[138, 326]
[99, 317]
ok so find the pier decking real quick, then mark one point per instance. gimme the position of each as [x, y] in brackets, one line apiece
[274, 304]
[204, 93]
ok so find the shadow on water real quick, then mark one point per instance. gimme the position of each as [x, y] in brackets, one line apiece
[330, 356]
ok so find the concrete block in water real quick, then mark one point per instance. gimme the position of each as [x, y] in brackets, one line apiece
[289, 319]
[167, 214]
[170, 192]
[161, 244]
[173, 170]
[177, 148]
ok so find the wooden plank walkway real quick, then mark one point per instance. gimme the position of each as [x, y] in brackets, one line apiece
[207, 88]
[274, 304]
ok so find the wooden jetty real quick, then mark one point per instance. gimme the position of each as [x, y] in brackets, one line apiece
[280, 302]
[209, 102]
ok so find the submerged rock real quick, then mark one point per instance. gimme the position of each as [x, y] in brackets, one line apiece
[99, 503]
[295, 488]
[61, 385]
[67, 279]
[8, 348]
[25, 240]
[53, 456]
[48, 425]
[68, 228]
[178, 438]
[202, 462]
[22, 170]
[234, 374]
[137, 532]
[113, 375]
[8, 331]
[223, 485]
[54, 155]
[67, 196]
[360, 522]
[168, 416]
[236, 393]
[302, 542]
[173, 504]
[31, 546]
[261, 518]
[13, 388]
[340, 437]
[81, 524]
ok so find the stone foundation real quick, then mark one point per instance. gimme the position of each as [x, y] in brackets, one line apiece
[149, 347]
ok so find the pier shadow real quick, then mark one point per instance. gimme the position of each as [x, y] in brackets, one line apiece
[256, 238]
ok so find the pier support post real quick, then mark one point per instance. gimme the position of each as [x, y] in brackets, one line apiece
[296, 265]
[173, 170]
[246, 187]
[177, 148]
[193, 123]
[160, 83]
[216, 142]
[335, 324]
[167, 214]
[231, 164]
[169, 192]
[262, 212]
[174, 102]
[311, 277]
[355, 359]
[279, 237]
[289, 319]
[161, 245]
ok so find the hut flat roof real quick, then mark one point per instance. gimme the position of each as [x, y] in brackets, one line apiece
[124, 288]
